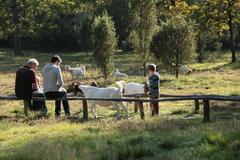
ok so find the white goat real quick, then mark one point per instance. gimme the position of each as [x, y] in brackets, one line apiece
[184, 69]
[118, 74]
[108, 92]
[77, 71]
[132, 87]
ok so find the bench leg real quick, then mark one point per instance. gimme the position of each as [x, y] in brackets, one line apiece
[196, 103]
[135, 107]
[206, 111]
[27, 105]
[85, 110]
[141, 110]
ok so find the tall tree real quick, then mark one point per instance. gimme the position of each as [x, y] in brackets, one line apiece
[120, 11]
[232, 14]
[223, 14]
[15, 17]
[104, 43]
[145, 25]
[174, 44]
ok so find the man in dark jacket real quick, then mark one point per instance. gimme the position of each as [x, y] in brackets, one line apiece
[26, 83]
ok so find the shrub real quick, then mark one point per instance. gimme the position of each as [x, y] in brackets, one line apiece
[104, 37]
[174, 43]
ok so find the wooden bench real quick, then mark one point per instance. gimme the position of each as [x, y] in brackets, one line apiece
[140, 101]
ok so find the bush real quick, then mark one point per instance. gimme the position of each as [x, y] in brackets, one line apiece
[104, 37]
[174, 43]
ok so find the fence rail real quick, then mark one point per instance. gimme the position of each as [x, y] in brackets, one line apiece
[139, 101]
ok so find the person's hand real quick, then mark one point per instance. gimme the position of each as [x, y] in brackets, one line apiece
[61, 89]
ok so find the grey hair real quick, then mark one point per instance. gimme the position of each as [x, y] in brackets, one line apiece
[32, 61]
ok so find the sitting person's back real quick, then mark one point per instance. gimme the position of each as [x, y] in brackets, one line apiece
[25, 82]
[52, 78]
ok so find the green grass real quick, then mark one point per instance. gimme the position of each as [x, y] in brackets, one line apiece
[178, 133]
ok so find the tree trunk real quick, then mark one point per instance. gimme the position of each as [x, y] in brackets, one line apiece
[230, 24]
[17, 39]
[177, 64]
[173, 2]
[141, 45]
[200, 57]
[144, 69]
[199, 50]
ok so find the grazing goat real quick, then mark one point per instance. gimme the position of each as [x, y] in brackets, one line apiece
[185, 70]
[118, 74]
[76, 72]
[108, 92]
[70, 87]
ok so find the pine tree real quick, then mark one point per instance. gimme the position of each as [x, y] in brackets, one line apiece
[104, 43]
[145, 25]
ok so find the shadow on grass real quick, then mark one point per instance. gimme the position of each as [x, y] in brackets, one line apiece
[76, 118]
[226, 111]
[129, 140]
[95, 143]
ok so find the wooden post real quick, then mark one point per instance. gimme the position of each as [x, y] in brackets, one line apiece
[196, 102]
[136, 107]
[206, 111]
[85, 110]
[141, 110]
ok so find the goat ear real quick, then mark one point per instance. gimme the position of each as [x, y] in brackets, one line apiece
[75, 83]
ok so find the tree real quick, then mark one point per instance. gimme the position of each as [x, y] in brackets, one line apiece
[205, 30]
[223, 15]
[232, 13]
[145, 25]
[104, 43]
[174, 43]
[120, 11]
[18, 20]
[55, 24]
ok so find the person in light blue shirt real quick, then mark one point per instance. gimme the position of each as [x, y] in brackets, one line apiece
[53, 85]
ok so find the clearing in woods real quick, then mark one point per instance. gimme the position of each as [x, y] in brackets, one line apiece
[177, 133]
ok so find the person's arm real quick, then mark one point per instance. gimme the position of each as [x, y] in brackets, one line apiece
[59, 77]
[34, 81]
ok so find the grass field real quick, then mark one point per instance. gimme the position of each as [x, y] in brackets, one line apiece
[178, 133]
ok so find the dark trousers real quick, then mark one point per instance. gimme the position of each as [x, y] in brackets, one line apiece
[27, 105]
[34, 106]
[154, 105]
[59, 95]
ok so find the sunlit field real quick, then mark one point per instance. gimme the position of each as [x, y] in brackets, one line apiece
[177, 133]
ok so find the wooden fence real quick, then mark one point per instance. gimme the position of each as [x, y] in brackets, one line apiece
[141, 98]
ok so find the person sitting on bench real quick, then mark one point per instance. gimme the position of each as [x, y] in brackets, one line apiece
[26, 84]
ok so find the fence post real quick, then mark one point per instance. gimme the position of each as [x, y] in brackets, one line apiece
[136, 107]
[85, 110]
[141, 110]
[196, 102]
[206, 110]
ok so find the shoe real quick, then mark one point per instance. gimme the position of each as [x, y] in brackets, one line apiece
[57, 116]
[67, 115]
